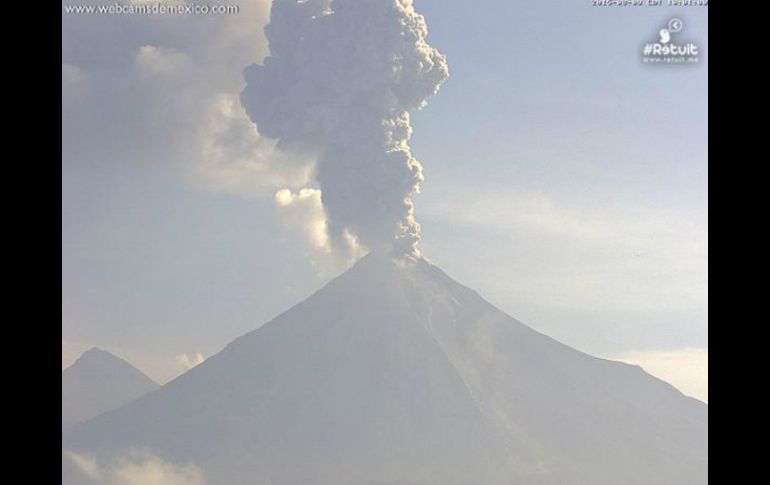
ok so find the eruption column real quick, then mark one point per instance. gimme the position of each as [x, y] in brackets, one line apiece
[340, 81]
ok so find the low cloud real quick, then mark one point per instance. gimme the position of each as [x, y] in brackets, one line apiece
[137, 467]
[188, 361]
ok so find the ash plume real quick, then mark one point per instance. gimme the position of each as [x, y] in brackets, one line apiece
[340, 81]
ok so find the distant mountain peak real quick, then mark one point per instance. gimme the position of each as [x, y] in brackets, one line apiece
[95, 353]
[97, 382]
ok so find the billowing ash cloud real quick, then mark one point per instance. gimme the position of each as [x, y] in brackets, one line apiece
[341, 79]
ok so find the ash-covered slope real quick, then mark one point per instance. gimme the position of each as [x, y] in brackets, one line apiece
[394, 373]
[98, 382]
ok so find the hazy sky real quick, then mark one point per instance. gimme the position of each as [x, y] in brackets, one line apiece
[566, 181]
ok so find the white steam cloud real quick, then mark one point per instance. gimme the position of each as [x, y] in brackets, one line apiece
[340, 81]
[165, 92]
[302, 212]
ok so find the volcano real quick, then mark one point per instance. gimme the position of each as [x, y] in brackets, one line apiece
[98, 382]
[394, 373]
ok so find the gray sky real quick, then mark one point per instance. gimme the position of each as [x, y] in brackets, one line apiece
[566, 181]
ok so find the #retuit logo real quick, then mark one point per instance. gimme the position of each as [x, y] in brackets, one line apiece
[666, 50]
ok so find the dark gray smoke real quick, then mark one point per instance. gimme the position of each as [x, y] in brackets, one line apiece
[341, 79]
